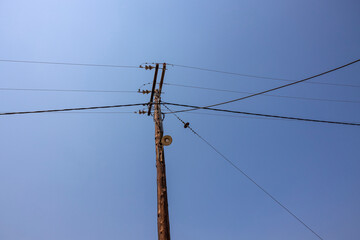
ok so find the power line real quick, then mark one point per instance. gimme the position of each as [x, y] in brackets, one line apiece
[66, 90]
[74, 109]
[277, 88]
[261, 115]
[69, 64]
[99, 112]
[232, 116]
[182, 105]
[261, 77]
[196, 113]
[247, 176]
[170, 84]
[269, 95]
[230, 73]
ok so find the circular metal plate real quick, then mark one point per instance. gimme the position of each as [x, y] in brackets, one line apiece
[166, 140]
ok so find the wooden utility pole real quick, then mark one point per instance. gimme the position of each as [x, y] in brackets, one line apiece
[162, 201]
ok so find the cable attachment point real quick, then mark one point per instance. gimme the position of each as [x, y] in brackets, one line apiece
[186, 125]
[143, 91]
[147, 67]
[141, 112]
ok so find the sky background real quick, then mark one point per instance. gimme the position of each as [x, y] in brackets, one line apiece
[92, 175]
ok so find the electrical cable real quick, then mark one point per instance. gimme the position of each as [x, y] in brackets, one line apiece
[66, 90]
[260, 77]
[269, 95]
[277, 88]
[182, 105]
[73, 109]
[81, 112]
[69, 64]
[261, 115]
[246, 175]
[233, 116]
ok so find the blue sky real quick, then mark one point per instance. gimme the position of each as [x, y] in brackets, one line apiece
[92, 176]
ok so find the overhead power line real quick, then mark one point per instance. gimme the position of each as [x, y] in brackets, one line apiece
[95, 112]
[225, 72]
[261, 77]
[170, 84]
[269, 95]
[66, 90]
[277, 88]
[260, 114]
[73, 109]
[246, 175]
[69, 64]
[233, 116]
[181, 105]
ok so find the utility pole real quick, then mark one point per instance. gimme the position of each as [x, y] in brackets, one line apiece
[162, 201]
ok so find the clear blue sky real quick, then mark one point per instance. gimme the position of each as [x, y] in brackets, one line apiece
[92, 176]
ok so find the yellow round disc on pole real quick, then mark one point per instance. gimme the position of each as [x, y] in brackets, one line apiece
[166, 140]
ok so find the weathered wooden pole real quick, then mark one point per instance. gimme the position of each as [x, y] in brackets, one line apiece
[162, 201]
